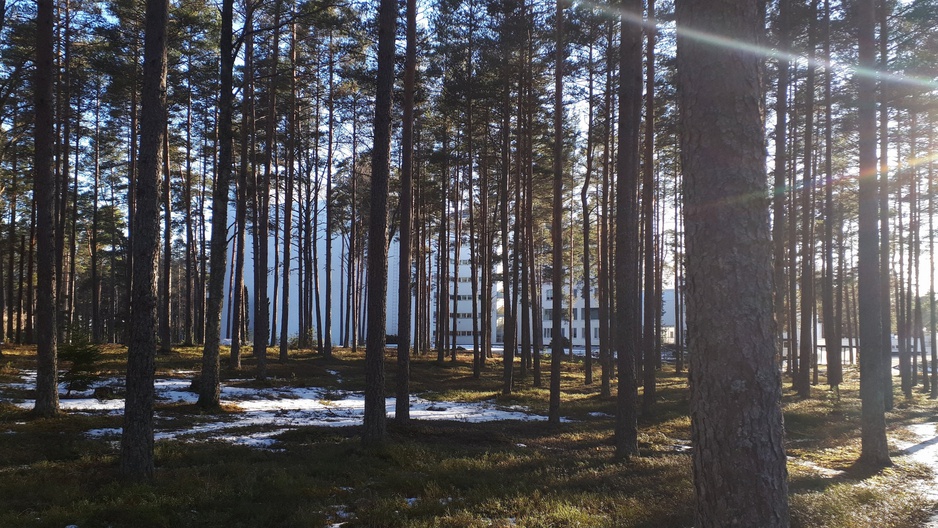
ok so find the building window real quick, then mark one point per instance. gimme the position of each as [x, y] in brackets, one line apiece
[595, 333]
[550, 294]
[574, 333]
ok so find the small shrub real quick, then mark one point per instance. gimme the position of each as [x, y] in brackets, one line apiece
[83, 356]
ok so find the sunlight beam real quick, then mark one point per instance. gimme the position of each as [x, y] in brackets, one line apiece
[766, 52]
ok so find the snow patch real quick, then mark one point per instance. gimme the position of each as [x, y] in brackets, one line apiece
[264, 413]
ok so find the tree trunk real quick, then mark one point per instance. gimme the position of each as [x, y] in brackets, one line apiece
[508, 356]
[288, 201]
[736, 419]
[374, 428]
[47, 395]
[808, 346]
[556, 229]
[627, 296]
[832, 322]
[605, 297]
[136, 458]
[327, 331]
[93, 235]
[584, 201]
[933, 316]
[261, 200]
[209, 386]
[651, 302]
[885, 312]
[402, 403]
[164, 289]
[874, 447]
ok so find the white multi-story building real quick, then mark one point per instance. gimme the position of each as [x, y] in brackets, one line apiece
[575, 316]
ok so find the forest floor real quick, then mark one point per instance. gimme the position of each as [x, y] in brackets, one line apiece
[285, 452]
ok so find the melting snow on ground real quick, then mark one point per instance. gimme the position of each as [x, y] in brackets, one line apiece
[266, 412]
[925, 452]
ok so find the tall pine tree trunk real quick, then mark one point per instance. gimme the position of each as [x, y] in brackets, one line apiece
[874, 447]
[628, 332]
[136, 458]
[832, 320]
[288, 201]
[885, 303]
[736, 419]
[808, 348]
[47, 394]
[209, 386]
[374, 427]
[556, 233]
[402, 403]
[651, 301]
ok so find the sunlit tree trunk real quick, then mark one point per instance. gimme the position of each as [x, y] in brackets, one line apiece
[832, 322]
[585, 203]
[651, 301]
[808, 346]
[874, 447]
[779, 192]
[883, 188]
[736, 419]
[166, 263]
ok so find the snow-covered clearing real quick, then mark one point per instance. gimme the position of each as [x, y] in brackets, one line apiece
[263, 413]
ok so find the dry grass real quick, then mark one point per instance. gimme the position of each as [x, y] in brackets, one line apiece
[434, 474]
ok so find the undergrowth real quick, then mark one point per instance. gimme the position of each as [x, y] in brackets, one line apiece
[434, 474]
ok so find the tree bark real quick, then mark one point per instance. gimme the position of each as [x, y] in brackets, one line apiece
[374, 428]
[136, 458]
[651, 301]
[808, 346]
[405, 279]
[736, 419]
[47, 395]
[883, 188]
[209, 382]
[327, 331]
[288, 201]
[832, 319]
[628, 308]
[584, 201]
[166, 263]
[874, 447]
[556, 229]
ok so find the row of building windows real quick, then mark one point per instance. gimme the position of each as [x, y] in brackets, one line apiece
[461, 315]
[578, 314]
[549, 293]
[461, 297]
[577, 332]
